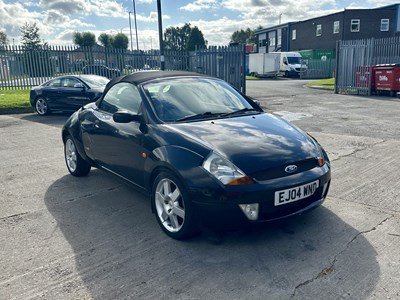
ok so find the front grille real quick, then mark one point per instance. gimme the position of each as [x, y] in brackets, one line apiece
[279, 171]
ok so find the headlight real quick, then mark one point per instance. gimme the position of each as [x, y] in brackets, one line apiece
[225, 171]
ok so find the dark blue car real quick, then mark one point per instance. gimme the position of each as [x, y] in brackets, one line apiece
[67, 93]
[204, 153]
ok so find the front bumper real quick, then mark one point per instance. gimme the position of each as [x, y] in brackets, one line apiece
[220, 205]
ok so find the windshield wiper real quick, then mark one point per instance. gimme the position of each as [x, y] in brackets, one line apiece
[198, 116]
[238, 112]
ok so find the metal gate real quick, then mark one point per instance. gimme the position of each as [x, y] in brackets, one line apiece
[24, 68]
[226, 62]
[355, 61]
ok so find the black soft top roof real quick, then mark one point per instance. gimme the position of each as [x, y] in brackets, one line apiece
[143, 76]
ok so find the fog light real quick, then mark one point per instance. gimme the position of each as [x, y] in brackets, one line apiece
[250, 210]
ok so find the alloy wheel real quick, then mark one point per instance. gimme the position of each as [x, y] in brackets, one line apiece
[169, 205]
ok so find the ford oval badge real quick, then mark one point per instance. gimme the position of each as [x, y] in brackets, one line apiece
[291, 169]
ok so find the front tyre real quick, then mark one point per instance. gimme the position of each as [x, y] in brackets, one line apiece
[76, 165]
[41, 106]
[172, 207]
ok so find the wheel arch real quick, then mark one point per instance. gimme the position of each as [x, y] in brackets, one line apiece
[177, 160]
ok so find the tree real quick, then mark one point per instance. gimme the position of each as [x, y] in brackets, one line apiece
[84, 39]
[3, 38]
[196, 39]
[176, 38]
[105, 40]
[30, 36]
[247, 36]
[120, 41]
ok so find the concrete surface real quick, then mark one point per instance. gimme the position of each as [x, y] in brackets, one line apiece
[95, 237]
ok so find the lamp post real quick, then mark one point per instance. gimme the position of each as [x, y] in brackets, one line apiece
[160, 36]
[130, 29]
[134, 16]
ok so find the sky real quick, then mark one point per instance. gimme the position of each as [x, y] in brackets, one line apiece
[217, 19]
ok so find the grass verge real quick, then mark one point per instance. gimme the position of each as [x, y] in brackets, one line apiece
[324, 84]
[251, 78]
[15, 101]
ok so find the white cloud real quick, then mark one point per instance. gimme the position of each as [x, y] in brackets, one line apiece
[152, 17]
[200, 5]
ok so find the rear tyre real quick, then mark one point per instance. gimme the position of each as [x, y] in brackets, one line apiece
[172, 207]
[42, 107]
[287, 74]
[76, 165]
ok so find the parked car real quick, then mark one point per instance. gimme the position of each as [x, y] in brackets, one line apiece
[204, 152]
[101, 70]
[67, 93]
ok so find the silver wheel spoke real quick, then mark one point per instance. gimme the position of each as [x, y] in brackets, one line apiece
[175, 195]
[167, 190]
[164, 216]
[174, 221]
[179, 212]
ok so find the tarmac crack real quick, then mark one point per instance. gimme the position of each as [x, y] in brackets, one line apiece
[331, 268]
[358, 150]
[13, 216]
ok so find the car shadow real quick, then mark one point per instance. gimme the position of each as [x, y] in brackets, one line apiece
[120, 251]
[56, 119]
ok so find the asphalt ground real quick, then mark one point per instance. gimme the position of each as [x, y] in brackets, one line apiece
[95, 237]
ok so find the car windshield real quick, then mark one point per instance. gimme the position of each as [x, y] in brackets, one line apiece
[95, 81]
[194, 98]
[293, 60]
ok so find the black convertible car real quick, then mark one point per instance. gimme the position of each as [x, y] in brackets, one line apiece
[67, 93]
[203, 151]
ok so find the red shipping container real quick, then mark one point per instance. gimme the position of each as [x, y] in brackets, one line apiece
[387, 78]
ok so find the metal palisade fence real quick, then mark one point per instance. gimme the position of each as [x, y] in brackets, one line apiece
[355, 61]
[23, 68]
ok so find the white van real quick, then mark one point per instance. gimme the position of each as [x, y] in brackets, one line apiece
[291, 64]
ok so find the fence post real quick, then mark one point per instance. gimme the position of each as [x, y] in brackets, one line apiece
[338, 44]
[243, 69]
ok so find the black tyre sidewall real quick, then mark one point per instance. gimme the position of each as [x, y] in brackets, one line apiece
[189, 227]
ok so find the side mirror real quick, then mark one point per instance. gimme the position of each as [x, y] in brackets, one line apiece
[123, 116]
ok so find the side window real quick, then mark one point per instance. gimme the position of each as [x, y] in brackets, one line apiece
[55, 83]
[69, 82]
[122, 96]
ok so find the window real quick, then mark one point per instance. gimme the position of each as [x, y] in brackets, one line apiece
[336, 27]
[272, 41]
[384, 24]
[318, 30]
[294, 34]
[69, 82]
[279, 40]
[262, 43]
[355, 25]
[55, 83]
[124, 96]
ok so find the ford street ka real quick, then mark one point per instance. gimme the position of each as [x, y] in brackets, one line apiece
[203, 152]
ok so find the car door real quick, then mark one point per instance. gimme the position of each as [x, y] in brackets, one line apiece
[119, 146]
[73, 94]
[51, 93]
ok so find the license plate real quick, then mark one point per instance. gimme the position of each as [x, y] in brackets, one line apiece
[296, 193]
